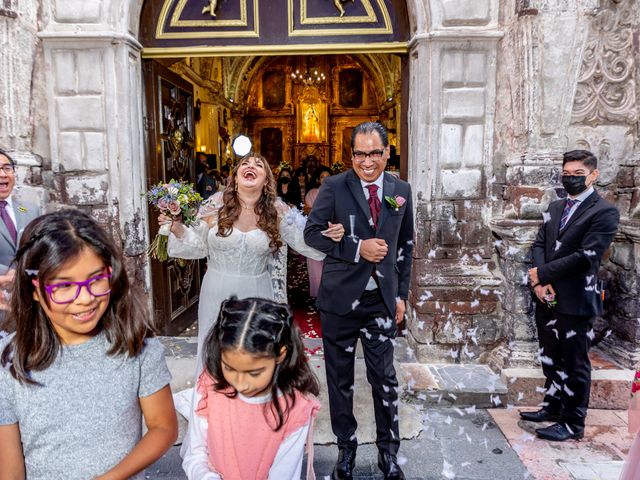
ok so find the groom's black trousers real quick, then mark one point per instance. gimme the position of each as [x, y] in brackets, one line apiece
[376, 328]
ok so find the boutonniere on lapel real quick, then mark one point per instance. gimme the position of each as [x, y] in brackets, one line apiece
[22, 209]
[396, 202]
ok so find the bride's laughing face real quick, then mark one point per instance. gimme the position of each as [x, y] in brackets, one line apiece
[252, 173]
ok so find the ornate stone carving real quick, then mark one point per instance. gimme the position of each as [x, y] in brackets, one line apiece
[606, 91]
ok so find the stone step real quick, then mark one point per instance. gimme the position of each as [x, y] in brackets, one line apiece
[610, 388]
[447, 385]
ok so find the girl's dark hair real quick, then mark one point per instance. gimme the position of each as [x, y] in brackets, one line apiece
[48, 242]
[265, 208]
[261, 328]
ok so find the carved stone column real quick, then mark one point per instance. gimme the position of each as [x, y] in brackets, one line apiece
[94, 85]
[456, 313]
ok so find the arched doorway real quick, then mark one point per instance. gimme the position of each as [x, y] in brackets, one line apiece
[297, 109]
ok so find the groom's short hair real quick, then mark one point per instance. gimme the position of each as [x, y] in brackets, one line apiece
[370, 127]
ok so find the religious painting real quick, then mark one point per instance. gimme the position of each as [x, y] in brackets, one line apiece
[273, 89]
[350, 88]
[346, 147]
[312, 117]
[271, 145]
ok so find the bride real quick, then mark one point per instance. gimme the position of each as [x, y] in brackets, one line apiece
[239, 231]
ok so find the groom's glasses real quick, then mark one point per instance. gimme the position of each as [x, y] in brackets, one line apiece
[373, 154]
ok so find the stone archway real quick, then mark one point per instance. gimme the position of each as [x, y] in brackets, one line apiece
[97, 124]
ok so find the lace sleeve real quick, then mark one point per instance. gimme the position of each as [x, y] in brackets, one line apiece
[292, 224]
[209, 209]
[193, 242]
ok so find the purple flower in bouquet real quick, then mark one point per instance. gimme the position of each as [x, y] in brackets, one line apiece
[174, 199]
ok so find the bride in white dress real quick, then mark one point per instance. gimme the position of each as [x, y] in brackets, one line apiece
[240, 231]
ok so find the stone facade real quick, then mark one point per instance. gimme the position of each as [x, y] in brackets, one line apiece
[498, 90]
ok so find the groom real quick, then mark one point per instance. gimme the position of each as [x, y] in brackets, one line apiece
[364, 287]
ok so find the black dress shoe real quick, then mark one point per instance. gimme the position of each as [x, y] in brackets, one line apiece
[389, 466]
[344, 466]
[560, 432]
[541, 415]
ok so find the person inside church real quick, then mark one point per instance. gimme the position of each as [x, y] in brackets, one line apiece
[205, 184]
[15, 215]
[287, 190]
[567, 252]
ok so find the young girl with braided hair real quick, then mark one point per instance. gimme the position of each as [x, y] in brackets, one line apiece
[254, 403]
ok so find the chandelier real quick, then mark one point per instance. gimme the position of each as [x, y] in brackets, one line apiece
[309, 78]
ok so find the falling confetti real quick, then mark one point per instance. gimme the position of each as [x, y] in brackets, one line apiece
[558, 245]
[571, 333]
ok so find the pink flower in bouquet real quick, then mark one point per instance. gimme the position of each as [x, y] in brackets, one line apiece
[163, 205]
[174, 207]
[400, 201]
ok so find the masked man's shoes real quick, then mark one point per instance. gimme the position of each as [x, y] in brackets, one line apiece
[541, 415]
[388, 463]
[344, 466]
[559, 432]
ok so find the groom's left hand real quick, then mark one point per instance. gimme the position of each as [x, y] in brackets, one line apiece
[401, 308]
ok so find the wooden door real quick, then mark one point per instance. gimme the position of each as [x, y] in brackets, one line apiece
[170, 141]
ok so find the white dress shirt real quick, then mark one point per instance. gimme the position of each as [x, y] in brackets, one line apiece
[371, 284]
[581, 197]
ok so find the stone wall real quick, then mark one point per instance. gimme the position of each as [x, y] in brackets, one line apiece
[566, 79]
[23, 104]
[456, 289]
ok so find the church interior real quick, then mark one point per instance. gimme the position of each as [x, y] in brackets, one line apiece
[298, 112]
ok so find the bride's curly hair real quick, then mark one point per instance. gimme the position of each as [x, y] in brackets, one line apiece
[265, 207]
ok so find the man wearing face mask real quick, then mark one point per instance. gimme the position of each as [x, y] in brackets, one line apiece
[566, 257]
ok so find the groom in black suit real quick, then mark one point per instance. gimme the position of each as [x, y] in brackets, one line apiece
[566, 257]
[364, 287]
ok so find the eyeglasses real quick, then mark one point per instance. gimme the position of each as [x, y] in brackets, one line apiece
[8, 169]
[67, 292]
[373, 154]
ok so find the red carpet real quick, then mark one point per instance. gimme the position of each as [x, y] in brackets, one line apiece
[302, 305]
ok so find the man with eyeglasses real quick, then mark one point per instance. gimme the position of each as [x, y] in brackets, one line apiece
[575, 234]
[14, 217]
[363, 290]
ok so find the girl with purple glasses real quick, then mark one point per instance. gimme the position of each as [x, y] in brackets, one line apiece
[82, 368]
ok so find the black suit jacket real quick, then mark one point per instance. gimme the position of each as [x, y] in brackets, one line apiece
[344, 279]
[569, 260]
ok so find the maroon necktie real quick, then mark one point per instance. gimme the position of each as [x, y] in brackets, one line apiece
[374, 204]
[7, 221]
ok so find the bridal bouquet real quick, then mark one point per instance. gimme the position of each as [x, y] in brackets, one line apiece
[174, 199]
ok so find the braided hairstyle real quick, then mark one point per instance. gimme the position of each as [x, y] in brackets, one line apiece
[261, 328]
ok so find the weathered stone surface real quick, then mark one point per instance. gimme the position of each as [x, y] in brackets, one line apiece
[77, 11]
[622, 255]
[464, 103]
[463, 183]
[86, 189]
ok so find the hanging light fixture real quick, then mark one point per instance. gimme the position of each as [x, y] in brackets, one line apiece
[311, 77]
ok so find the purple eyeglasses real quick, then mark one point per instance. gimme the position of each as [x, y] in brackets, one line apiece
[67, 292]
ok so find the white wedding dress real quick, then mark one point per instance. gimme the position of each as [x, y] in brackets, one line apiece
[239, 264]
